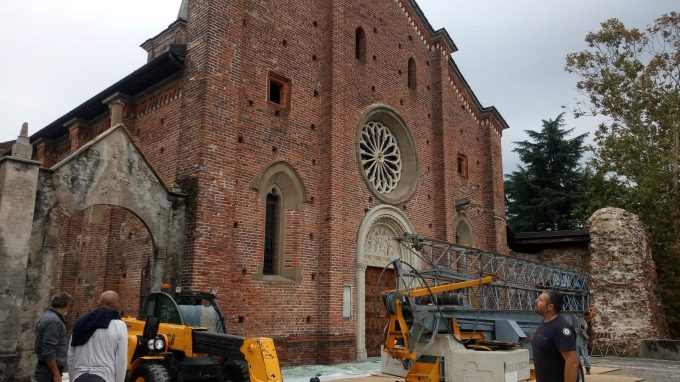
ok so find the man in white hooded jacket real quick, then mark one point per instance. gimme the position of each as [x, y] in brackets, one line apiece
[98, 349]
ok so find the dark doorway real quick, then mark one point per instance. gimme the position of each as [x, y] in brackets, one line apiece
[376, 315]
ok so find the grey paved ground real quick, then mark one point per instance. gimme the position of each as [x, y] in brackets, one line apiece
[652, 370]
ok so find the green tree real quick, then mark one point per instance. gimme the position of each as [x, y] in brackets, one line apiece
[543, 194]
[632, 78]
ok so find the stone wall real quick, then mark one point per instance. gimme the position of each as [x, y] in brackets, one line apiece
[623, 279]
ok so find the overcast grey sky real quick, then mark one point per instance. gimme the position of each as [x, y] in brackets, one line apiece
[58, 54]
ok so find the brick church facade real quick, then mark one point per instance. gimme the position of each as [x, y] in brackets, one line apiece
[297, 139]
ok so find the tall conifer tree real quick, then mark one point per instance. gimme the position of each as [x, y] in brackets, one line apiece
[544, 193]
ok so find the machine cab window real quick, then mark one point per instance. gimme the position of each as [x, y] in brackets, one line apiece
[193, 309]
[161, 305]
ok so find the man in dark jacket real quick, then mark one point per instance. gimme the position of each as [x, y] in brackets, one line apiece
[51, 344]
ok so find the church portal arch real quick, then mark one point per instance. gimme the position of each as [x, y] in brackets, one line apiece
[376, 247]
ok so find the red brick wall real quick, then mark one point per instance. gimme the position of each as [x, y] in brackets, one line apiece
[213, 130]
[229, 133]
[576, 257]
[100, 248]
[155, 129]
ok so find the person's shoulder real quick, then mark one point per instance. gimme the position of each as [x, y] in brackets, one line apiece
[562, 321]
[118, 325]
[51, 318]
[563, 326]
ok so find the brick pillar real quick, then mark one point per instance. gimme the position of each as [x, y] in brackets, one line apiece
[78, 131]
[117, 103]
[44, 152]
[18, 184]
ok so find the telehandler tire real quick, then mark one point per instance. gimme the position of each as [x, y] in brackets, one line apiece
[235, 371]
[150, 373]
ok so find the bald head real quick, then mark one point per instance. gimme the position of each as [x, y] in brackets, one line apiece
[109, 299]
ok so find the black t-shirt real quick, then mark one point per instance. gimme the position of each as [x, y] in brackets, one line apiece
[549, 340]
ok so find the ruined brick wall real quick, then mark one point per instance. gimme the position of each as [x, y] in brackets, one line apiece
[623, 279]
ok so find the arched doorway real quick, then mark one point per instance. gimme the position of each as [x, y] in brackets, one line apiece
[108, 171]
[376, 248]
[103, 247]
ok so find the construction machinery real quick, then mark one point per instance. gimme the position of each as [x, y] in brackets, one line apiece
[463, 314]
[181, 336]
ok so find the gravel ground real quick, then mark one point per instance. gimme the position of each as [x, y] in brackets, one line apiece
[652, 370]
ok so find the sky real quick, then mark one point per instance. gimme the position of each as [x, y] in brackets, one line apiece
[512, 53]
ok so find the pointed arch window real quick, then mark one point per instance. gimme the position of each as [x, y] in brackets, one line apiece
[411, 73]
[360, 44]
[283, 196]
[272, 232]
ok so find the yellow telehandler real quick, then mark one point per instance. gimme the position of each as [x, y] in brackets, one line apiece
[181, 336]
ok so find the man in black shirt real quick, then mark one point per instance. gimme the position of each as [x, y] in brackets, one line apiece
[554, 343]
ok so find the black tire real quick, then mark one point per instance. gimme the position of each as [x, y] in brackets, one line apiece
[235, 371]
[150, 373]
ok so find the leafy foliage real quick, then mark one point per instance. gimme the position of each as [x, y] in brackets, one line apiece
[543, 195]
[632, 77]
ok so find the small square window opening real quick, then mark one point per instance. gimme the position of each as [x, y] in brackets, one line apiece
[462, 165]
[279, 91]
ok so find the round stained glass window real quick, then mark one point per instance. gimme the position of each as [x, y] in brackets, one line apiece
[380, 156]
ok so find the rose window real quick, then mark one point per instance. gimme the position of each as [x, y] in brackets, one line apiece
[380, 156]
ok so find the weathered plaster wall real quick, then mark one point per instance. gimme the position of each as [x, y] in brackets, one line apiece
[18, 180]
[623, 278]
[107, 171]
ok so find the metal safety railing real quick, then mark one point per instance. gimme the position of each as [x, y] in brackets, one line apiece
[518, 281]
